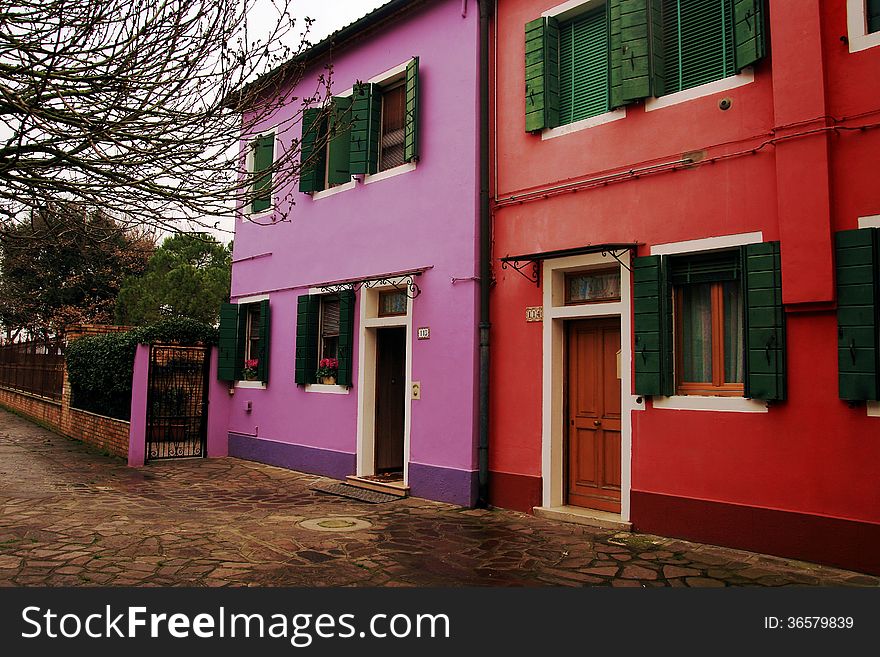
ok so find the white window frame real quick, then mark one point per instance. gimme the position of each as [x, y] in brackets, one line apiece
[857, 27]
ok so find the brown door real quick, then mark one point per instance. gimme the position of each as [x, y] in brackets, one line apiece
[390, 398]
[593, 449]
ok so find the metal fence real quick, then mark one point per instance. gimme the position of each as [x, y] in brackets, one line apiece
[36, 367]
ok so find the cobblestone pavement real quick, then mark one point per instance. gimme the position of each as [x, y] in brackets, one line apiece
[72, 516]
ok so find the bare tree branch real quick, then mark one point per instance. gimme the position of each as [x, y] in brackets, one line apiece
[137, 107]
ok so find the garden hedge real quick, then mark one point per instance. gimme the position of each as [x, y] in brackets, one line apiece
[100, 367]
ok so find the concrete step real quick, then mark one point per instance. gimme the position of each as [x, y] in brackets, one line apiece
[581, 516]
[390, 488]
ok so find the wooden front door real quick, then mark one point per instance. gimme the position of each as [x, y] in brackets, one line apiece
[593, 415]
[390, 398]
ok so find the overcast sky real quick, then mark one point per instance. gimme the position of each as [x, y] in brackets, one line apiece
[330, 15]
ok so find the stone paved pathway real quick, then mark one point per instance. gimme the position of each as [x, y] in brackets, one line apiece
[71, 516]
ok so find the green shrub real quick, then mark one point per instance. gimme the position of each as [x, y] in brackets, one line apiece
[100, 367]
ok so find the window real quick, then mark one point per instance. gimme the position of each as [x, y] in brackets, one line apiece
[592, 286]
[584, 71]
[244, 338]
[697, 42]
[622, 51]
[392, 303]
[708, 313]
[710, 339]
[262, 158]
[374, 129]
[324, 329]
[393, 121]
[710, 323]
[329, 347]
[252, 342]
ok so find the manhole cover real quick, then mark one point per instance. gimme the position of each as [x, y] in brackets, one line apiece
[335, 524]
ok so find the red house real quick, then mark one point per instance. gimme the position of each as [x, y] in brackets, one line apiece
[685, 251]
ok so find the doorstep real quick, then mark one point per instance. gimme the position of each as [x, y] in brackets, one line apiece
[581, 516]
[397, 488]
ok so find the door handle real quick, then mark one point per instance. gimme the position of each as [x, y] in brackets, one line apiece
[597, 423]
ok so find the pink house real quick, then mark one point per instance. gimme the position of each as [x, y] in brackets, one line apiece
[350, 346]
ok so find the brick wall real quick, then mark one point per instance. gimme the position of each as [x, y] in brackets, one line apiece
[40, 409]
[105, 433]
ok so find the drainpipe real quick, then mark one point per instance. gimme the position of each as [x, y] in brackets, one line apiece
[485, 256]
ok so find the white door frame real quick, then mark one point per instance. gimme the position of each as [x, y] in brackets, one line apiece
[366, 396]
[553, 367]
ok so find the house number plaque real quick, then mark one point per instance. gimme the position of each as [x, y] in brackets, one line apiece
[424, 333]
[535, 314]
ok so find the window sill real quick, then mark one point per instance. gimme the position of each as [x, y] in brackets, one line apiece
[747, 76]
[317, 196]
[326, 390]
[592, 122]
[253, 385]
[254, 216]
[390, 173]
[717, 404]
[873, 408]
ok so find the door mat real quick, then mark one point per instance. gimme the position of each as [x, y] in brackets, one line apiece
[355, 493]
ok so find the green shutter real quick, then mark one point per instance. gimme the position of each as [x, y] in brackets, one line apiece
[750, 41]
[652, 327]
[411, 127]
[583, 67]
[658, 51]
[858, 294]
[308, 311]
[616, 55]
[542, 74]
[264, 158]
[366, 125]
[339, 134]
[346, 338]
[635, 51]
[698, 42]
[227, 343]
[312, 151]
[764, 322]
[873, 8]
[263, 348]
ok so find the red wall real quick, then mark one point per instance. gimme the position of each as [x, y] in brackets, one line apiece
[812, 454]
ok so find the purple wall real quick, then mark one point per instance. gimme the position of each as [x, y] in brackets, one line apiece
[424, 218]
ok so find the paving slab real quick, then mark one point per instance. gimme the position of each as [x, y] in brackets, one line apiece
[71, 516]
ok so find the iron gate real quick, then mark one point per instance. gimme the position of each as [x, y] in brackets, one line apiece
[177, 402]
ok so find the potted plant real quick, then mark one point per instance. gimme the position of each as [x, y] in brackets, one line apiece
[250, 369]
[327, 371]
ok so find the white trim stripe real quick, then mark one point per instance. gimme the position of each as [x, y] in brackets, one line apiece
[747, 76]
[714, 404]
[592, 122]
[708, 243]
[872, 221]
